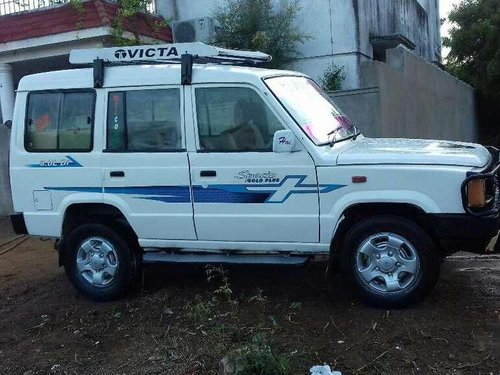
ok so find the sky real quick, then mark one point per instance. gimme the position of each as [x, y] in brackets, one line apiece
[445, 6]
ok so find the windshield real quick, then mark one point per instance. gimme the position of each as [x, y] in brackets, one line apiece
[312, 109]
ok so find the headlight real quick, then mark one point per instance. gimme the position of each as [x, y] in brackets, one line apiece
[476, 193]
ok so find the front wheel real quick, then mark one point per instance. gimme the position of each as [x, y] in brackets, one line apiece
[99, 262]
[390, 261]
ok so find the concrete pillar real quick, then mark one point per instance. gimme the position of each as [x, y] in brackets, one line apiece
[7, 104]
[7, 94]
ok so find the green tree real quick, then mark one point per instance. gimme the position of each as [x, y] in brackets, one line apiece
[474, 57]
[254, 25]
[475, 45]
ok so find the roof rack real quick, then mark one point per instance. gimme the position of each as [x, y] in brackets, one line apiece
[184, 53]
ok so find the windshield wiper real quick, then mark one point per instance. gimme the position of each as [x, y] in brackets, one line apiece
[332, 142]
[356, 134]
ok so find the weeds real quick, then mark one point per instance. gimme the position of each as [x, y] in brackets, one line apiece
[259, 357]
[257, 297]
[224, 290]
[201, 311]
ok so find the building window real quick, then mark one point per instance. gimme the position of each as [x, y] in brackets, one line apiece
[144, 121]
[232, 119]
[60, 121]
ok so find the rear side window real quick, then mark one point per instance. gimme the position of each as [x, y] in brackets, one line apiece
[144, 121]
[59, 121]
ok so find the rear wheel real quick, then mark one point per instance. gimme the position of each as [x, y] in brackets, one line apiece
[99, 262]
[390, 261]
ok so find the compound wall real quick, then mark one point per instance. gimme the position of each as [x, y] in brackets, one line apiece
[408, 97]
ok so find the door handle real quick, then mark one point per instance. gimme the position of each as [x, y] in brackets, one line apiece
[208, 173]
[117, 174]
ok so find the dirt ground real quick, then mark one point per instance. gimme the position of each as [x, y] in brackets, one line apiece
[177, 322]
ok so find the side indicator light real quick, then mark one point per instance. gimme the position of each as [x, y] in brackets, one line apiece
[358, 179]
[476, 195]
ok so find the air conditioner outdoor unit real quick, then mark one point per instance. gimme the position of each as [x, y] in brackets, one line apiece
[196, 30]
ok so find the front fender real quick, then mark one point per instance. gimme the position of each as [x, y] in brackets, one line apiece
[331, 219]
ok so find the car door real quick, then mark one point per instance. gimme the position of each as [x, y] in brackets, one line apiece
[242, 190]
[145, 165]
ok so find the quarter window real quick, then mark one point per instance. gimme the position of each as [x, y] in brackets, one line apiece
[59, 121]
[232, 119]
[144, 120]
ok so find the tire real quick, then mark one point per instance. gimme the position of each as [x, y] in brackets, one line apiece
[390, 261]
[100, 261]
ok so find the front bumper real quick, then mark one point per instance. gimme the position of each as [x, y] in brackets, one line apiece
[461, 232]
[474, 230]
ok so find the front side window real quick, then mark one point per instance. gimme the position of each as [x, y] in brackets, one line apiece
[312, 109]
[232, 119]
[144, 121]
[59, 121]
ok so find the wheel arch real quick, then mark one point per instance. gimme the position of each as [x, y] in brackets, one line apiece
[360, 211]
[109, 215]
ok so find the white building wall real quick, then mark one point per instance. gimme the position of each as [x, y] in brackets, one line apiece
[340, 30]
[330, 23]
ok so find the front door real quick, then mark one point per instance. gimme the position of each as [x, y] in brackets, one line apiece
[145, 165]
[242, 191]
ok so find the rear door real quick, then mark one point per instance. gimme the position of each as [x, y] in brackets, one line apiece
[145, 167]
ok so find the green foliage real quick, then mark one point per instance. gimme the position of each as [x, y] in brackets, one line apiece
[258, 296]
[475, 45]
[259, 358]
[254, 25]
[78, 6]
[127, 10]
[223, 293]
[332, 78]
[201, 311]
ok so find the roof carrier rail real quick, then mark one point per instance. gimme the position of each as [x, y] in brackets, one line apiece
[184, 53]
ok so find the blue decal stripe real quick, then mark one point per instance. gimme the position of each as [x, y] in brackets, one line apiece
[228, 194]
[328, 188]
[76, 189]
[167, 194]
[149, 190]
[167, 199]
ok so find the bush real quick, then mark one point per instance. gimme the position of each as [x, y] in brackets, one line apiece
[253, 25]
[332, 78]
[259, 358]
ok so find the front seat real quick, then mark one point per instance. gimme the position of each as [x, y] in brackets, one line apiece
[246, 132]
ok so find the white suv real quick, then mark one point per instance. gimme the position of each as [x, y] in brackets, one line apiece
[145, 163]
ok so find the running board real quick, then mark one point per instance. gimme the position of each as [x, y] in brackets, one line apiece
[164, 257]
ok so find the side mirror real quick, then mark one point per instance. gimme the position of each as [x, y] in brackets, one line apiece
[283, 141]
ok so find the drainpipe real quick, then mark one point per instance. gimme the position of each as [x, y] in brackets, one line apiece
[175, 10]
[7, 94]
